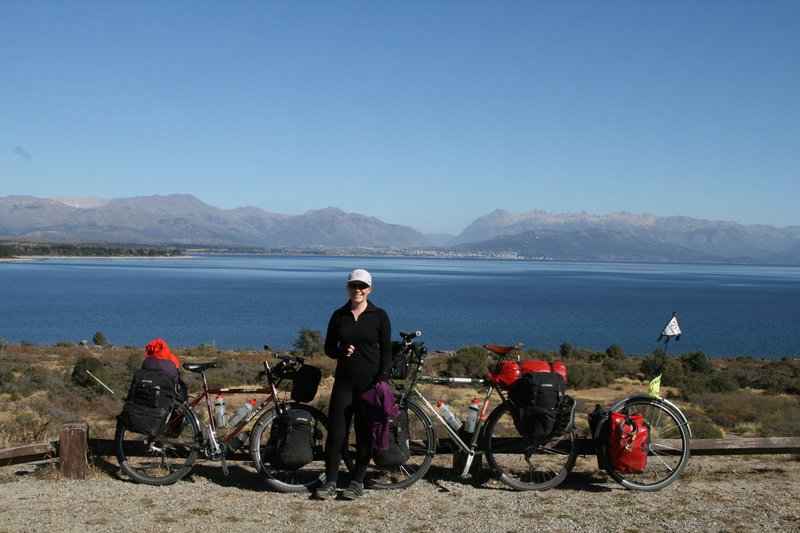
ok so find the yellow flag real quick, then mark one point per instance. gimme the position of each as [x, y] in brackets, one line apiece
[655, 386]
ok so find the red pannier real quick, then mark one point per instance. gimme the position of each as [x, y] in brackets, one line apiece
[510, 371]
[628, 442]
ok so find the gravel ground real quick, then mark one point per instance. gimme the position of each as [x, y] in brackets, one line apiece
[714, 494]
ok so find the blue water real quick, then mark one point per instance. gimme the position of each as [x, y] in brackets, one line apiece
[243, 302]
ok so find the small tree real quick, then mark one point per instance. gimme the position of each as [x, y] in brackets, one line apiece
[309, 342]
[99, 339]
[565, 350]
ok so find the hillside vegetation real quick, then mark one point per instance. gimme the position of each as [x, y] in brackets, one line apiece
[41, 387]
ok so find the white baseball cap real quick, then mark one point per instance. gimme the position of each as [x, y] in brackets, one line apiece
[360, 274]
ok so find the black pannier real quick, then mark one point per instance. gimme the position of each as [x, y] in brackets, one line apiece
[536, 397]
[151, 398]
[305, 383]
[399, 450]
[291, 442]
[399, 361]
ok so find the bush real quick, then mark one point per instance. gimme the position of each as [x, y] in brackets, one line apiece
[703, 429]
[468, 361]
[582, 375]
[697, 362]
[82, 379]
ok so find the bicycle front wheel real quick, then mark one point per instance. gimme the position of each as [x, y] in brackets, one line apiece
[521, 464]
[159, 460]
[264, 453]
[670, 444]
[421, 445]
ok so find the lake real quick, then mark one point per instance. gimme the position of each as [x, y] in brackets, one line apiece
[240, 301]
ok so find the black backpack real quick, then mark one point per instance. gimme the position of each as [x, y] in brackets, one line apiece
[292, 439]
[537, 398]
[398, 451]
[151, 398]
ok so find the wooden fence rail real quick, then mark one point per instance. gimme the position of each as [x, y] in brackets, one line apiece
[74, 446]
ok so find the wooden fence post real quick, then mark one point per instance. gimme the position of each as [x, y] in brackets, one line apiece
[73, 444]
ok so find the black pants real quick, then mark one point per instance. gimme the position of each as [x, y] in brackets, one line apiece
[344, 409]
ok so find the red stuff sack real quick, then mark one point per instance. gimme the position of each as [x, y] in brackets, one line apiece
[628, 442]
[510, 371]
[506, 376]
[533, 365]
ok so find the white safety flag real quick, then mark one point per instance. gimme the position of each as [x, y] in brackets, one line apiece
[672, 329]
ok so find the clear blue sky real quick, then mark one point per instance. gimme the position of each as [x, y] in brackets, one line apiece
[422, 113]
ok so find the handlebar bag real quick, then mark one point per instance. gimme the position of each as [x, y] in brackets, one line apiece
[399, 361]
[305, 383]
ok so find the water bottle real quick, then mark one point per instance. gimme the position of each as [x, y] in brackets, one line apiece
[219, 411]
[472, 416]
[238, 440]
[242, 412]
[448, 416]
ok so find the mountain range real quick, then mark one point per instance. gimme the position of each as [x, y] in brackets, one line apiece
[185, 220]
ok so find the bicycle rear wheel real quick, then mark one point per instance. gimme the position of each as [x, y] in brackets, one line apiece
[422, 445]
[669, 446]
[523, 465]
[159, 460]
[281, 478]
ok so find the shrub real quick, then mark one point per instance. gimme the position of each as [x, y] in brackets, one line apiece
[697, 362]
[703, 429]
[468, 361]
[615, 352]
[80, 378]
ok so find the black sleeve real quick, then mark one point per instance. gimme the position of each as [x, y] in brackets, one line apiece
[385, 345]
[332, 347]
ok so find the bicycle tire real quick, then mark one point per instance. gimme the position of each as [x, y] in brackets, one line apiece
[160, 460]
[670, 444]
[307, 477]
[422, 444]
[523, 465]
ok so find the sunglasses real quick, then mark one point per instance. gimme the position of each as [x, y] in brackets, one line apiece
[357, 285]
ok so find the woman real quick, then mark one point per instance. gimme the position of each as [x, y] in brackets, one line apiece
[358, 337]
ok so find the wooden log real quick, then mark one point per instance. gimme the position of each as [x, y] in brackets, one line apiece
[729, 446]
[26, 454]
[73, 444]
[746, 446]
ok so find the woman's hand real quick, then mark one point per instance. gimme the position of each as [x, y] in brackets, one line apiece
[350, 350]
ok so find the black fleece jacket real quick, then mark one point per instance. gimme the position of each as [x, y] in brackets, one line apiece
[371, 335]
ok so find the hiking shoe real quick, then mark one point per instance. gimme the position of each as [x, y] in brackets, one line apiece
[326, 491]
[355, 490]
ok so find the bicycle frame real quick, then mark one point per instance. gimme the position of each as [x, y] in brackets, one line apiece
[418, 353]
[471, 448]
[216, 451]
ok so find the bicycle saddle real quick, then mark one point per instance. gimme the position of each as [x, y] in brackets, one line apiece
[199, 367]
[502, 350]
